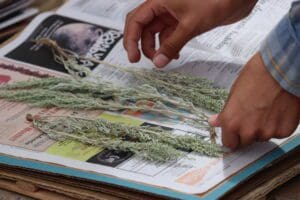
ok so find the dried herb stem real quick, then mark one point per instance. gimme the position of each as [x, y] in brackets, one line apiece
[196, 90]
[145, 141]
[68, 93]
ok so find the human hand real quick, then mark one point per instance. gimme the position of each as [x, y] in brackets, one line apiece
[257, 109]
[176, 22]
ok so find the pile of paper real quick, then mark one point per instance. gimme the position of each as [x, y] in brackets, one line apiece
[13, 16]
[94, 28]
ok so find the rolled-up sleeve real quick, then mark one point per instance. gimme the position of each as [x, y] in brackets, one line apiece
[281, 51]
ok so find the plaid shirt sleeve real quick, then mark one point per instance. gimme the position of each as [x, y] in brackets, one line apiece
[281, 51]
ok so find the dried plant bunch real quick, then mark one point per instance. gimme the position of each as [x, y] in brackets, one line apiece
[200, 92]
[78, 94]
[161, 89]
[103, 90]
[147, 142]
[173, 95]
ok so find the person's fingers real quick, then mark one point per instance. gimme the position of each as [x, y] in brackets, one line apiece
[230, 127]
[135, 23]
[269, 126]
[267, 133]
[128, 17]
[148, 37]
[230, 137]
[132, 49]
[214, 120]
[274, 126]
[126, 25]
[164, 34]
[247, 135]
[171, 46]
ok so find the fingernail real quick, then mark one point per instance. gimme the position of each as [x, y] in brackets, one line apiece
[134, 56]
[213, 120]
[161, 60]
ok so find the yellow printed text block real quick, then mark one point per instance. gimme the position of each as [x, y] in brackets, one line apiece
[73, 149]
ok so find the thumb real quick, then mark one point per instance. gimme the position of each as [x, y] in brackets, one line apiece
[171, 46]
[214, 120]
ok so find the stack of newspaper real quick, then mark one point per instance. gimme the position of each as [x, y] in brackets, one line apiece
[12, 14]
[16, 14]
[218, 55]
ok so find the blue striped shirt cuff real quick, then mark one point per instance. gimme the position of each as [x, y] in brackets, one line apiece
[281, 51]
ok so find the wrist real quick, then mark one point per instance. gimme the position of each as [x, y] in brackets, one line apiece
[235, 10]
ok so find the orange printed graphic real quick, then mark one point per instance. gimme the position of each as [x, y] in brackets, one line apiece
[196, 176]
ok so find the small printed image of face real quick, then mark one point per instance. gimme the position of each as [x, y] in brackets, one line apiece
[77, 37]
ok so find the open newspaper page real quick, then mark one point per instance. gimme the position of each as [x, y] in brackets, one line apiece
[243, 39]
[113, 9]
[23, 59]
[239, 40]
[221, 53]
[221, 69]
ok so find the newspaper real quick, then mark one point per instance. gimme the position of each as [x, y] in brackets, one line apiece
[242, 39]
[113, 9]
[221, 53]
[101, 38]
